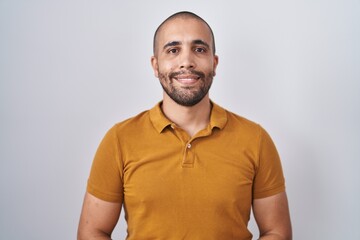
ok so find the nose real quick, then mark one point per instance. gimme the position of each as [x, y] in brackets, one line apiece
[187, 60]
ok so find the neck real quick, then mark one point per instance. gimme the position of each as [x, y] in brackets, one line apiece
[190, 119]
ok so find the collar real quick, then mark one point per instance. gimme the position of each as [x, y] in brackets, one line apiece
[158, 118]
[218, 117]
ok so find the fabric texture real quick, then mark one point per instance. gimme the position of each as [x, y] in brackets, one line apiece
[174, 186]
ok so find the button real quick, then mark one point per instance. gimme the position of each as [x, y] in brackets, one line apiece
[189, 145]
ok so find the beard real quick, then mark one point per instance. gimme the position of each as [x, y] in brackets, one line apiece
[186, 96]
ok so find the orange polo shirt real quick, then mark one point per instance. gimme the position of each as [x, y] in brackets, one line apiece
[174, 186]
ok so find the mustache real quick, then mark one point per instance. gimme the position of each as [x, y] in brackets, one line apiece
[192, 72]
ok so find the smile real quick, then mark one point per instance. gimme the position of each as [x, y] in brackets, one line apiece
[187, 79]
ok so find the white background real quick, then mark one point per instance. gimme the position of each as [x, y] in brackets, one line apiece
[70, 69]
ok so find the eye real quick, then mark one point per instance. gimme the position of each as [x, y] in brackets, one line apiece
[173, 50]
[200, 50]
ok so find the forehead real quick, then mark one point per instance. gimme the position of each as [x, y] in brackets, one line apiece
[183, 30]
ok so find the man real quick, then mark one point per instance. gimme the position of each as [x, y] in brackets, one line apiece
[187, 168]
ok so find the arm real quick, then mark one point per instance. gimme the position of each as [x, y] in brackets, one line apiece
[273, 218]
[98, 218]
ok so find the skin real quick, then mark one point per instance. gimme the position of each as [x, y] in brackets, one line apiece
[184, 46]
[273, 218]
[98, 218]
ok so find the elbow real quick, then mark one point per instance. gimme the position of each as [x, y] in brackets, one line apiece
[284, 235]
[89, 235]
[81, 235]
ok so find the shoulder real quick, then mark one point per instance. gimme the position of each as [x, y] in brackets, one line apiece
[243, 130]
[134, 121]
[124, 129]
[236, 122]
[131, 125]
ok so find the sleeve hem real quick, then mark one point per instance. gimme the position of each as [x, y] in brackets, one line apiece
[269, 192]
[117, 198]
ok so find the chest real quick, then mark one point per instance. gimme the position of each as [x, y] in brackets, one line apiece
[200, 174]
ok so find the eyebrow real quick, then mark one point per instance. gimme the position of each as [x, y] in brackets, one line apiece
[177, 43]
[201, 42]
[172, 44]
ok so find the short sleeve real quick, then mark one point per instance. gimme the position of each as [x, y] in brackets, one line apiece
[105, 181]
[269, 179]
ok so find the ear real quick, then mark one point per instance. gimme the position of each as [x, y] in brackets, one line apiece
[155, 66]
[216, 61]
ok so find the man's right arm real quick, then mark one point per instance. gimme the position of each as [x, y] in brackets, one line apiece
[98, 218]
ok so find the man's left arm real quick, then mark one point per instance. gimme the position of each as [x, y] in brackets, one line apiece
[272, 217]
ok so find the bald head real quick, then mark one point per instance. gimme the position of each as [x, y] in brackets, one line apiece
[183, 15]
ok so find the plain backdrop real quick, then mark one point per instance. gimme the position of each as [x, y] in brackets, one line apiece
[71, 69]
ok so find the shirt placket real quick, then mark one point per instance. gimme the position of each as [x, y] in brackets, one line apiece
[188, 153]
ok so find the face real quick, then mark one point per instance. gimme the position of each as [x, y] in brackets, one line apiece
[184, 61]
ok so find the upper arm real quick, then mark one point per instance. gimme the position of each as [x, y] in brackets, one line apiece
[272, 216]
[98, 217]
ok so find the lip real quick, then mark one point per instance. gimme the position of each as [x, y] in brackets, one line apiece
[187, 79]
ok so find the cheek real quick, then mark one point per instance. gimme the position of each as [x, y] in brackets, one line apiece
[206, 65]
[165, 69]
[167, 64]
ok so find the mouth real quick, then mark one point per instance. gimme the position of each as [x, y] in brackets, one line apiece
[187, 78]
